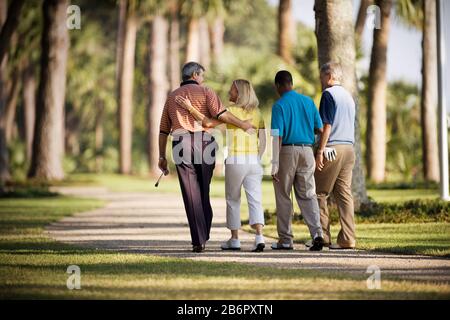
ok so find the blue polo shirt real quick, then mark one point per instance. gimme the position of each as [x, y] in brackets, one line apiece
[294, 118]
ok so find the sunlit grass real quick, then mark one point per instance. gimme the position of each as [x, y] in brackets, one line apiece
[34, 266]
[406, 238]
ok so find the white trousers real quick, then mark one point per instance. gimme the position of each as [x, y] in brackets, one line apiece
[246, 171]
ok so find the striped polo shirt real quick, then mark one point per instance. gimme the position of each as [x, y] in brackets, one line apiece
[175, 117]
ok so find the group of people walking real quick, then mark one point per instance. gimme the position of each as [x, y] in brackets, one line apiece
[312, 153]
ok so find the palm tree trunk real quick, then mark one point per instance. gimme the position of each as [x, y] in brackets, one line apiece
[29, 102]
[174, 46]
[216, 31]
[286, 30]
[48, 143]
[376, 115]
[193, 45]
[126, 77]
[4, 168]
[361, 19]
[205, 47]
[336, 42]
[9, 25]
[99, 118]
[429, 93]
[11, 104]
[158, 86]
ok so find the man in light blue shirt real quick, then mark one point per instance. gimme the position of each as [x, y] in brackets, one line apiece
[295, 119]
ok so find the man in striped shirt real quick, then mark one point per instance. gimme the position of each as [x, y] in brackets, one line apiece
[194, 148]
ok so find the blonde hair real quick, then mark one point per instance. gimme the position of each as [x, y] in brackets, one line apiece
[246, 95]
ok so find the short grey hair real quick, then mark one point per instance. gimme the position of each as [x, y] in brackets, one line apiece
[332, 68]
[189, 69]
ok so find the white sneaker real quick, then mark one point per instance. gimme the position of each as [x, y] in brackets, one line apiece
[259, 244]
[231, 244]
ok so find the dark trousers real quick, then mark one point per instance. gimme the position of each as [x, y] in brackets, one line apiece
[195, 172]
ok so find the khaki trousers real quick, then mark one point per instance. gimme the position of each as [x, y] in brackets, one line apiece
[296, 168]
[336, 178]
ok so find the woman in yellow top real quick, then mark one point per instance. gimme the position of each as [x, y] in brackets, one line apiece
[243, 164]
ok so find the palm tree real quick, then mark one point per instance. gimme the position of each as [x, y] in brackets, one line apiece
[336, 42]
[174, 44]
[376, 115]
[217, 11]
[421, 14]
[128, 25]
[48, 143]
[194, 10]
[428, 103]
[361, 18]
[158, 48]
[29, 105]
[4, 168]
[286, 30]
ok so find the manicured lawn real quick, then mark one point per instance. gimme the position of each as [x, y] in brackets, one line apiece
[406, 238]
[170, 184]
[34, 266]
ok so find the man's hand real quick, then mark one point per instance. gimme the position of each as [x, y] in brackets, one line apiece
[330, 154]
[248, 126]
[319, 160]
[162, 165]
[275, 172]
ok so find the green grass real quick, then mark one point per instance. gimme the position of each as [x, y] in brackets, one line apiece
[33, 266]
[408, 238]
[170, 184]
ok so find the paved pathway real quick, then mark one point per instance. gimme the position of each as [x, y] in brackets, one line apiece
[155, 223]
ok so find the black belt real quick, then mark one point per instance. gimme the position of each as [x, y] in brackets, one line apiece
[297, 144]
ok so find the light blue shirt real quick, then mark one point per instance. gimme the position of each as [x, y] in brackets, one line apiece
[337, 108]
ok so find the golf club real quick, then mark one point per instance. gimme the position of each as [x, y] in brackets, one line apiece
[157, 182]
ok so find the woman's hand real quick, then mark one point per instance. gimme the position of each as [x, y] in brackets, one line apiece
[184, 102]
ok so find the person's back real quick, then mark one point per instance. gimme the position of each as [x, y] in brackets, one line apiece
[202, 98]
[238, 141]
[341, 114]
[296, 116]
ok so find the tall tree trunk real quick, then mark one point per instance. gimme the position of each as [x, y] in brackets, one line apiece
[125, 98]
[361, 18]
[216, 32]
[48, 142]
[336, 42]
[11, 104]
[29, 103]
[193, 44]
[205, 47]
[4, 168]
[174, 46]
[99, 118]
[376, 115]
[429, 93]
[9, 25]
[286, 30]
[158, 86]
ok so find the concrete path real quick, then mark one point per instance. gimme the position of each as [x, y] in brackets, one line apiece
[155, 223]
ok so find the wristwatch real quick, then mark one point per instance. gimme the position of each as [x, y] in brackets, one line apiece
[162, 158]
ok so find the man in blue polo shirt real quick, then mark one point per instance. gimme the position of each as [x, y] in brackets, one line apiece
[295, 119]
